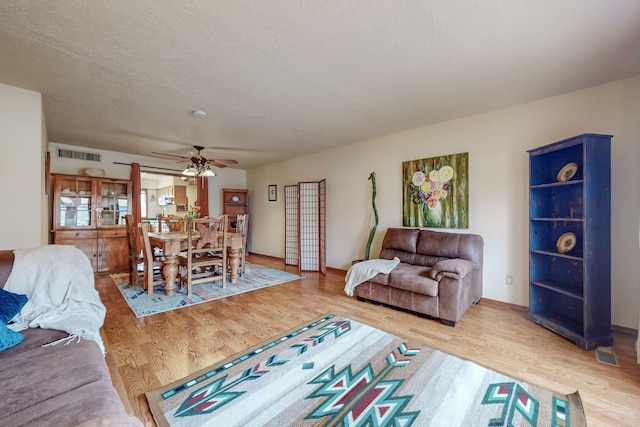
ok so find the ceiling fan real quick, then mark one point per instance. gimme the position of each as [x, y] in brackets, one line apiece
[200, 165]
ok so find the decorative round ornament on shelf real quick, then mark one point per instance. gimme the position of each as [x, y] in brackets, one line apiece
[566, 242]
[235, 199]
[567, 172]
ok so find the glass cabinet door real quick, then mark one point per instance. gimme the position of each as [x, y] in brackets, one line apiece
[75, 202]
[114, 202]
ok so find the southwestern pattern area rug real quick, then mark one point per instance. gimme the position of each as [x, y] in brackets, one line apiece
[339, 372]
[255, 277]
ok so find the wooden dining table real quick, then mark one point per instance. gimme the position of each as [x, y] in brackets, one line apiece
[174, 242]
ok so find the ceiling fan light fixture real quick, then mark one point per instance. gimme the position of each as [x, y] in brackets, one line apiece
[198, 169]
[207, 172]
[190, 171]
[200, 166]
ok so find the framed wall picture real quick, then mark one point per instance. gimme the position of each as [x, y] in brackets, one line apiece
[436, 192]
[273, 193]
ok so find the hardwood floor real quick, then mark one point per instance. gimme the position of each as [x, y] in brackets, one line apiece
[144, 354]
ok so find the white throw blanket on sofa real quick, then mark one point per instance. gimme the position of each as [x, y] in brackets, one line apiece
[362, 271]
[59, 282]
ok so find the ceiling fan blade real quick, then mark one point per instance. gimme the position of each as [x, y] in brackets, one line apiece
[224, 161]
[170, 155]
[216, 164]
[199, 159]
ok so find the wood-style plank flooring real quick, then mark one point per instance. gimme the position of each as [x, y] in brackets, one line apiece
[144, 354]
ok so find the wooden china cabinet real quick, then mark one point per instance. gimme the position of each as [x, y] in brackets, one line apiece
[234, 202]
[88, 213]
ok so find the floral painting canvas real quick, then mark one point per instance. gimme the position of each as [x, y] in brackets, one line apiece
[436, 192]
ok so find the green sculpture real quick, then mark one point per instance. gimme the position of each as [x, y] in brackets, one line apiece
[367, 250]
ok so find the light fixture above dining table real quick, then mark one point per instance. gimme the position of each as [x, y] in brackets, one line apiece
[198, 169]
[199, 165]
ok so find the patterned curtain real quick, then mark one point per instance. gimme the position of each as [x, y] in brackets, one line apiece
[135, 198]
[136, 190]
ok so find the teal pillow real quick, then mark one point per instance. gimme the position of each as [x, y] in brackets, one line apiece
[10, 305]
[9, 338]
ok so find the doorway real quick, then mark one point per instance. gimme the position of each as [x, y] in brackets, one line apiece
[166, 195]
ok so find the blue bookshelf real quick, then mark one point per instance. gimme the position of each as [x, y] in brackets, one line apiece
[569, 239]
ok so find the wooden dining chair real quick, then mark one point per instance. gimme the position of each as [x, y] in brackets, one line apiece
[206, 257]
[242, 226]
[170, 223]
[152, 272]
[135, 256]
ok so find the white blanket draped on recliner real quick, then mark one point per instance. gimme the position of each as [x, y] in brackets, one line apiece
[59, 282]
[365, 270]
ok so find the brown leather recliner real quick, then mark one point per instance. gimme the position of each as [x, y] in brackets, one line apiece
[439, 275]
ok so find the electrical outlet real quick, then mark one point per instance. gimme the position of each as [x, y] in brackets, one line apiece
[509, 280]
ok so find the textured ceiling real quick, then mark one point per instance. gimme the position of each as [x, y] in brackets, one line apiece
[284, 78]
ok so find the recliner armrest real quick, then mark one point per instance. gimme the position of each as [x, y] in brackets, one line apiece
[455, 268]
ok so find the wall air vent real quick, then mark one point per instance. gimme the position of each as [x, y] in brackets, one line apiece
[79, 155]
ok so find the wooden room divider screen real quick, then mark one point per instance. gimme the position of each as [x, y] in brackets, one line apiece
[305, 226]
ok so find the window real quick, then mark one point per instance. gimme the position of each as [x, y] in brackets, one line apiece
[143, 203]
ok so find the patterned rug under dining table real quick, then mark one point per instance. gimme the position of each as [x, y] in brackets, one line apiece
[173, 242]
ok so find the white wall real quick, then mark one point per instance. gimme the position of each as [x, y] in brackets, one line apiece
[496, 142]
[23, 216]
[225, 178]
[44, 199]
[498, 180]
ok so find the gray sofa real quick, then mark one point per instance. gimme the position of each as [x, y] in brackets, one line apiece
[439, 275]
[60, 385]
